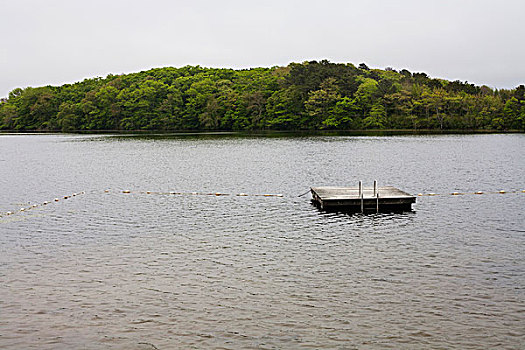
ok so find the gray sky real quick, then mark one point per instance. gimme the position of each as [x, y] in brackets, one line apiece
[62, 41]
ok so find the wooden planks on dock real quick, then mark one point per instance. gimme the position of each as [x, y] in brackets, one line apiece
[349, 198]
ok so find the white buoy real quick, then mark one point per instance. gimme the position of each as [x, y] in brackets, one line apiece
[502, 191]
[126, 191]
[56, 199]
[45, 203]
[478, 192]
[9, 213]
[22, 209]
[242, 194]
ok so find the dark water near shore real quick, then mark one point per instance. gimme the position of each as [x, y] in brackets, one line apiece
[144, 271]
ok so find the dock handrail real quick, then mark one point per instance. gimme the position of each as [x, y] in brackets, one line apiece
[361, 196]
[376, 193]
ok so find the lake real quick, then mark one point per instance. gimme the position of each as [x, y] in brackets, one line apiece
[110, 270]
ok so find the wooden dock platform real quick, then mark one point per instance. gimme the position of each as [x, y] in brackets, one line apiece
[378, 199]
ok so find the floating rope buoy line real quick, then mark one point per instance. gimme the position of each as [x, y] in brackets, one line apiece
[35, 205]
[430, 194]
[220, 194]
[196, 193]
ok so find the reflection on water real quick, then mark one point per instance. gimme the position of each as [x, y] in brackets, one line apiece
[139, 271]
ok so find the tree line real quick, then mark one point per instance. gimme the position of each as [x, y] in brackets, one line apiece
[311, 95]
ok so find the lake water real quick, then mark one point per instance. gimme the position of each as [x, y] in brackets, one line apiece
[108, 270]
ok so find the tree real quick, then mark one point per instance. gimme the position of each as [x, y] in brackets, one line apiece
[35, 107]
[69, 117]
[320, 103]
[284, 108]
[210, 117]
[376, 118]
[8, 115]
[343, 115]
[255, 106]
[366, 92]
[141, 104]
[519, 93]
[513, 113]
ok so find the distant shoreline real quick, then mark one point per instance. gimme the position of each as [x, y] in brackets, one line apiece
[373, 132]
[301, 96]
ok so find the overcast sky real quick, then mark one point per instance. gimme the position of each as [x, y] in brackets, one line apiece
[62, 41]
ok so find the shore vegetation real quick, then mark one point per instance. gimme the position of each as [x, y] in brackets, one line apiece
[314, 95]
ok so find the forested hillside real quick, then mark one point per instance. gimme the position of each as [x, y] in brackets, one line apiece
[311, 95]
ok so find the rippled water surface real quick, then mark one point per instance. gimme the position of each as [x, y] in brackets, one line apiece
[108, 270]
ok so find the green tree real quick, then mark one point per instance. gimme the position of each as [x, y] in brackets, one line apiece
[320, 103]
[284, 108]
[140, 104]
[365, 95]
[69, 117]
[343, 115]
[376, 118]
[513, 115]
[8, 115]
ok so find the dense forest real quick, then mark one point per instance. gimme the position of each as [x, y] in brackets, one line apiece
[310, 96]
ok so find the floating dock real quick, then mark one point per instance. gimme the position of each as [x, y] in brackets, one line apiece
[361, 199]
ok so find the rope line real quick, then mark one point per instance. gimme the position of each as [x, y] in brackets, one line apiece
[218, 194]
[304, 193]
[45, 203]
[468, 193]
[197, 193]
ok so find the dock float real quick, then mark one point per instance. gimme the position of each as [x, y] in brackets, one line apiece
[361, 199]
